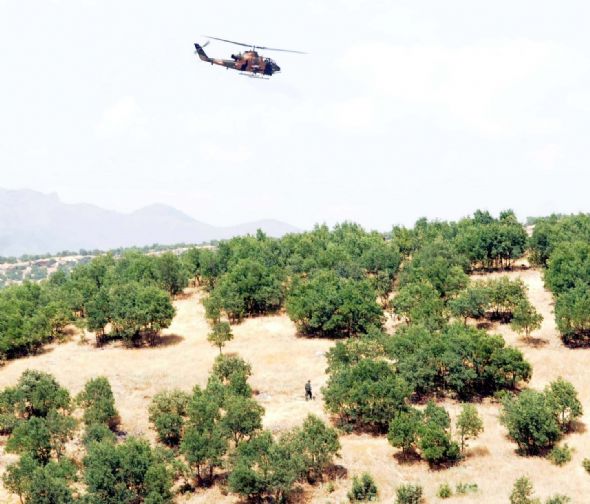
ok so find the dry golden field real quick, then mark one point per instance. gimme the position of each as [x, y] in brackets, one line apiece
[282, 362]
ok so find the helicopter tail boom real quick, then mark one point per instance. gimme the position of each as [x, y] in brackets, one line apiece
[199, 50]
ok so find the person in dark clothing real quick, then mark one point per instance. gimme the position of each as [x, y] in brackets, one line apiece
[308, 394]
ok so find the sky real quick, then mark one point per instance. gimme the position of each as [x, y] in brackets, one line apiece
[401, 109]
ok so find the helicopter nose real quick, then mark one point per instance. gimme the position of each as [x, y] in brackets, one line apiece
[276, 67]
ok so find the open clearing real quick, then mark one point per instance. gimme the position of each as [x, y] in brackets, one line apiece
[282, 362]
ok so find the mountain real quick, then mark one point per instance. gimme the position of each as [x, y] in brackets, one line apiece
[35, 223]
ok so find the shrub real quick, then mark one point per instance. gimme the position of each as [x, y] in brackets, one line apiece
[558, 499]
[363, 489]
[586, 464]
[560, 455]
[465, 488]
[523, 492]
[444, 491]
[409, 494]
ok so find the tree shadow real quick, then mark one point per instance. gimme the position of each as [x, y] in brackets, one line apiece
[443, 466]
[166, 340]
[478, 451]
[577, 427]
[335, 471]
[407, 458]
[536, 342]
[182, 296]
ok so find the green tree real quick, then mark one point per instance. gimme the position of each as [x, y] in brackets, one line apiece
[262, 466]
[317, 444]
[526, 319]
[531, 421]
[242, 418]
[171, 273]
[523, 492]
[438, 263]
[563, 400]
[249, 288]
[572, 314]
[31, 437]
[137, 308]
[44, 484]
[435, 443]
[363, 489]
[98, 402]
[38, 393]
[470, 303]
[329, 305]
[404, 429]
[469, 424]
[368, 393]
[205, 440]
[168, 412]
[220, 334]
[420, 303]
[127, 472]
[409, 494]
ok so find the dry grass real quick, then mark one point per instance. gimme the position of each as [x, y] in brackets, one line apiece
[282, 362]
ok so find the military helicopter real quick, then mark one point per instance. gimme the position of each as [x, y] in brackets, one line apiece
[249, 62]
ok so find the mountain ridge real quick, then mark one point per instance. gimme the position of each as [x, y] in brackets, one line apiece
[33, 222]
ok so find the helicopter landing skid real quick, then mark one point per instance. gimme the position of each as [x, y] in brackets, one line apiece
[254, 76]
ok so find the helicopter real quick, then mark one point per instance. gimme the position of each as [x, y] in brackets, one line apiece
[249, 62]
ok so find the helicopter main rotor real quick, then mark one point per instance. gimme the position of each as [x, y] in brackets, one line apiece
[254, 47]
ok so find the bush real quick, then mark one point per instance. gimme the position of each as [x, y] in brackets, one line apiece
[465, 488]
[560, 455]
[523, 492]
[444, 491]
[586, 464]
[363, 489]
[558, 499]
[409, 494]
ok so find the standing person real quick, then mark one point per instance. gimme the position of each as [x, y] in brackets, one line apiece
[308, 394]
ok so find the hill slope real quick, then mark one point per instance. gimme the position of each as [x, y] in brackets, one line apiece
[35, 223]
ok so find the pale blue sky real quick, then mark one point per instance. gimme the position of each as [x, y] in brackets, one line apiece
[401, 109]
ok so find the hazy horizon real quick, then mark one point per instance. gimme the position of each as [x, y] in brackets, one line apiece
[400, 110]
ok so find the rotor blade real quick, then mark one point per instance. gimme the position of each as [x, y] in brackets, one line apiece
[206, 43]
[281, 50]
[229, 41]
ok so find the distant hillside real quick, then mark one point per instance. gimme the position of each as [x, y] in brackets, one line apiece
[35, 223]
